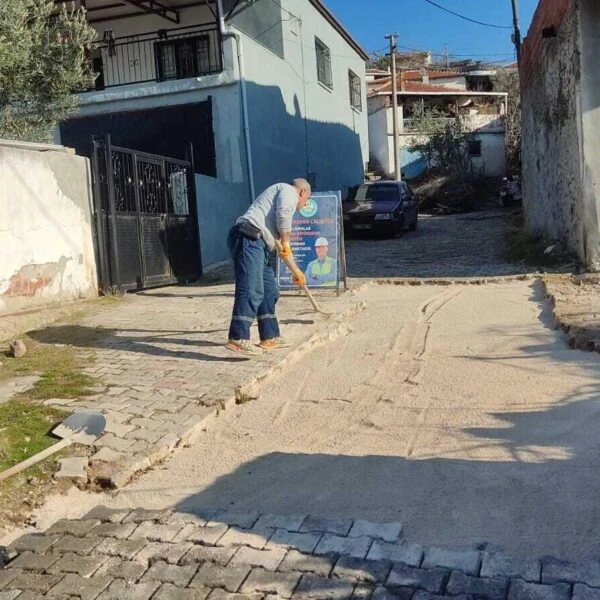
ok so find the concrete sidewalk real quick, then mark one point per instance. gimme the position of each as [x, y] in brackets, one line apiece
[165, 373]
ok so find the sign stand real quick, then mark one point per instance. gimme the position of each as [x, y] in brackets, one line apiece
[317, 242]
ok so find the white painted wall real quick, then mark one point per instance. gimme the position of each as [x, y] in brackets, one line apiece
[379, 145]
[45, 227]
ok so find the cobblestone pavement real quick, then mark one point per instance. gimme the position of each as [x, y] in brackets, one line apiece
[452, 246]
[165, 372]
[217, 555]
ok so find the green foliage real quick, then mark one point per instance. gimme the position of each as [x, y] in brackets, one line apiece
[508, 81]
[442, 142]
[42, 63]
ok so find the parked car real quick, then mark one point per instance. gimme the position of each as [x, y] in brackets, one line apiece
[381, 207]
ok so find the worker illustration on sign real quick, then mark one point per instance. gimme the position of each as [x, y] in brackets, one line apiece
[323, 270]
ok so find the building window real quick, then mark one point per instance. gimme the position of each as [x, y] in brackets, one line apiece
[323, 63]
[184, 57]
[475, 147]
[355, 91]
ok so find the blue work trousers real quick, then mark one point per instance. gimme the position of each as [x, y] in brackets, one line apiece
[256, 291]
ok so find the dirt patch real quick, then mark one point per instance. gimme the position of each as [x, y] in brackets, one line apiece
[576, 301]
[442, 194]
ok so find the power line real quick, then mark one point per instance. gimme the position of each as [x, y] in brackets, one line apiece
[466, 18]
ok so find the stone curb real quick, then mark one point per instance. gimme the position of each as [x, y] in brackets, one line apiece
[443, 281]
[119, 475]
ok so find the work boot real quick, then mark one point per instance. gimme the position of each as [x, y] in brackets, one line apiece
[275, 344]
[243, 347]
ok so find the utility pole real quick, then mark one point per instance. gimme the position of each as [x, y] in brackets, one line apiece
[446, 56]
[397, 171]
[517, 33]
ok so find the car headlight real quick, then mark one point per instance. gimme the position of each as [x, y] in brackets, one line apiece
[384, 217]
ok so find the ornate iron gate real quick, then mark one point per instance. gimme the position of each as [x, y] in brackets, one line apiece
[146, 221]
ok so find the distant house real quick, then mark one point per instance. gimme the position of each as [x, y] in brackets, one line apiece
[451, 94]
[266, 91]
[560, 96]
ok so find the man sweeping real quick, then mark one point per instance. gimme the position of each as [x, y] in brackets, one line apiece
[251, 242]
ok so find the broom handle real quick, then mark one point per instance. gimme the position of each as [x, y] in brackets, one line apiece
[36, 458]
[292, 266]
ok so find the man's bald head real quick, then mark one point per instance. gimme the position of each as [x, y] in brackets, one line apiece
[304, 190]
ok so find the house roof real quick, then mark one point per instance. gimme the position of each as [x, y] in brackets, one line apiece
[320, 6]
[412, 86]
[432, 74]
[100, 10]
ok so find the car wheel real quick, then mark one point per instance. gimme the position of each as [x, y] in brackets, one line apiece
[414, 225]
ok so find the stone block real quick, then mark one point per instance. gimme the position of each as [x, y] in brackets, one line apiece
[467, 562]
[162, 571]
[33, 561]
[430, 580]
[429, 596]
[223, 595]
[139, 515]
[362, 592]
[388, 532]
[85, 566]
[86, 589]
[312, 586]
[557, 571]
[521, 590]
[303, 542]
[119, 589]
[35, 582]
[486, 588]
[184, 518]
[8, 575]
[267, 559]
[265, 582]
[216, 554]
[408, 554]
[289, 523]
[125, 549]
[155, 532]
[333, 544]
[76, 545]
[242, 520]
[503, 565]
[122, 569]
[120, 531]
[107, 515]
[358, 569]
[77, 528]
[167, 591]
[107, 455]
[115, 443]
[10, 594]
[118, 429]
[307, 563]
[381, 593]
[337, 526]
[157, 551]
[214, 576]
[246, 537]
[201, 535]
[33, 542]
[583, 592]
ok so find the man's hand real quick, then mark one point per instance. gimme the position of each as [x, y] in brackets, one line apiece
[286, 251]
[298, 278]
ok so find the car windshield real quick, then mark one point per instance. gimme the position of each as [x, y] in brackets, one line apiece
[377, 193]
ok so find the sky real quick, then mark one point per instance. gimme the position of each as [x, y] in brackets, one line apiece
[424, 27]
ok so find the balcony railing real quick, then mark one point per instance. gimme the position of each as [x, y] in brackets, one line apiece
[162, 55]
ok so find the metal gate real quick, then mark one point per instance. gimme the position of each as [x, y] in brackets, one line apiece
[146, 220]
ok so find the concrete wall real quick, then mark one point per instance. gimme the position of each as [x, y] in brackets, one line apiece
[553, 168]
[489, 129]
[219, 205]
[45, 227]
[299, 127]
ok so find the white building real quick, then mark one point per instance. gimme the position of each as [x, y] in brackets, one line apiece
[266, 91]
[481, 113]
